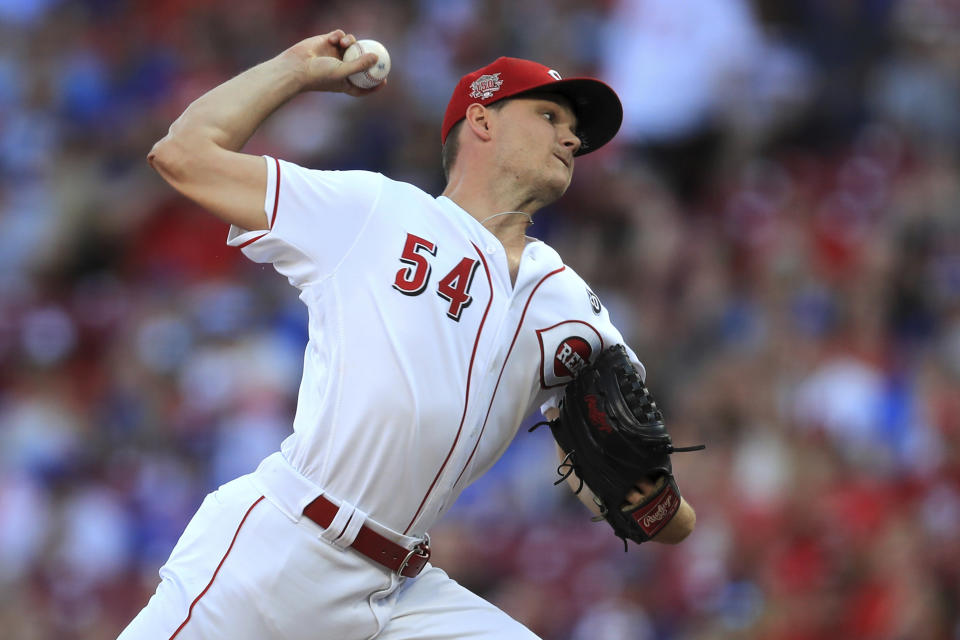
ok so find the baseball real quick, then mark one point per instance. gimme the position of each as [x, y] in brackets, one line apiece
[375, 74]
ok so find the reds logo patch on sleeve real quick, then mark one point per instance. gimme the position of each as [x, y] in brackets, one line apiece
[565, 349]
[572, 355]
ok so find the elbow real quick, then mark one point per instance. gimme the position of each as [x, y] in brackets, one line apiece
[178, 159]
[154, 154]
[168, 158]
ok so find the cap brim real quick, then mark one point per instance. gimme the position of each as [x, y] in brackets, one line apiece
[598, 109]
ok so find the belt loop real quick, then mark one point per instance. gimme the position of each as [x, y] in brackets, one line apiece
[338, 526]
[357, 520]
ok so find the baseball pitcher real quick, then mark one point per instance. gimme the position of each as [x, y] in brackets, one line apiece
[436, 325]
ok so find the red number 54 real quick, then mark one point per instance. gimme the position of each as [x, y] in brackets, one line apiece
[412, 279]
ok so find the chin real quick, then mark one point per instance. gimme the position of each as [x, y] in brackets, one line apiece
[547, 187]
[560, 186]
[556, 183]
[551, 192]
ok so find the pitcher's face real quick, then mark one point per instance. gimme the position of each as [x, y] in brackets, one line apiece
[536, 142]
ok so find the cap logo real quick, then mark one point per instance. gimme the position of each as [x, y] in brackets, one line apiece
[555, 74]
[485, 86]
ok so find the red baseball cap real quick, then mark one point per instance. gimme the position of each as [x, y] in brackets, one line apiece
[598, 109]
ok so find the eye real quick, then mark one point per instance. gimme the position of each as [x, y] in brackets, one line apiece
[550, 115]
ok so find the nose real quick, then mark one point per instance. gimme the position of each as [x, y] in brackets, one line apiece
[571, 141]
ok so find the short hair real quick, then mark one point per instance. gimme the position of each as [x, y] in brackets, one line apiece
[448, 154]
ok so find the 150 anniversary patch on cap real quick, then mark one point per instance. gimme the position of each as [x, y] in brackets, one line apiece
[485, 86]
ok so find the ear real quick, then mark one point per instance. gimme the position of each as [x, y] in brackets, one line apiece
[478, 120]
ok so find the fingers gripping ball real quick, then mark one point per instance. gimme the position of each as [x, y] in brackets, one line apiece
[374, 75]
[614, 435]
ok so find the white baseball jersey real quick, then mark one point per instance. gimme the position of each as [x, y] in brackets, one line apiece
[423, 358]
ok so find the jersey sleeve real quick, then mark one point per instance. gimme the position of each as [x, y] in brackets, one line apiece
[315, 218]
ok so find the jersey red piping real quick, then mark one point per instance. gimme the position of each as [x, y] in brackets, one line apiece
[276, 195]
[504, 367]
[251, 241]
[216, 571]
[273, 216]
[466, 396]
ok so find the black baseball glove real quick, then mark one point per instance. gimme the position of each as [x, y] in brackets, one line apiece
[614, 436]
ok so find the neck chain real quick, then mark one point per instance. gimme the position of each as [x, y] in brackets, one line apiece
[507, 213]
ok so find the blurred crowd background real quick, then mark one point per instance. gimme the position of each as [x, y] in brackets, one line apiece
[776, 231]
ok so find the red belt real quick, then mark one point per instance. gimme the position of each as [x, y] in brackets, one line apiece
[400, 560]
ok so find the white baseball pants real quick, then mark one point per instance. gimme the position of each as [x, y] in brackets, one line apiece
[244, 569]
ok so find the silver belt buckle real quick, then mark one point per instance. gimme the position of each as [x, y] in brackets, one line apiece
[422, 550]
